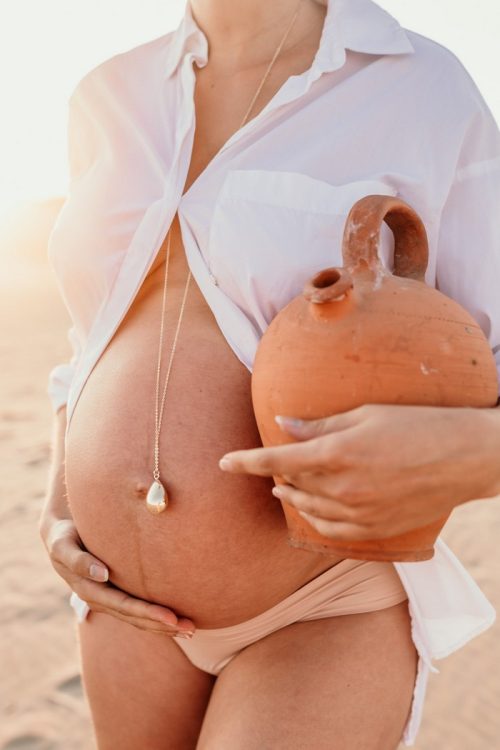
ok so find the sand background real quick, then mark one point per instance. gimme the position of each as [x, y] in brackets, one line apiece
[42, 706]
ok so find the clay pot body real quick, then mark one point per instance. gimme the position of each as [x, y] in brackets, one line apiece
[363, 335]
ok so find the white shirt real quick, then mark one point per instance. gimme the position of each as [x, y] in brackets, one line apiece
[380, 110]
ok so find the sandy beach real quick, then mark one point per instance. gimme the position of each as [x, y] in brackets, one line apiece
[42, 705]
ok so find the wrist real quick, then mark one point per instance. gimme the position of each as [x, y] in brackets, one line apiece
[55, 508]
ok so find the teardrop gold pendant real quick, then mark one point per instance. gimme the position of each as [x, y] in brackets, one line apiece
[157, 498]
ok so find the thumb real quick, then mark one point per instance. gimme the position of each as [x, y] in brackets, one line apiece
[303, 429]
[72, 553]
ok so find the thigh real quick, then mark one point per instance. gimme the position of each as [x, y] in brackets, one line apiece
[142, 690]
[340, 683]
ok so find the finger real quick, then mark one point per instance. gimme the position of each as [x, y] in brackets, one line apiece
[293, 458]
[325, 483]
[66, 550]
[151, 626]
[183, 627]
[316, 505]
[341, 530]
[117, 600]
[302, 429]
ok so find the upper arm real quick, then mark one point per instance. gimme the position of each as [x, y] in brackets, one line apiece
[468, 253]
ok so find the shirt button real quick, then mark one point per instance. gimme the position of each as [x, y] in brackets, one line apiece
[213, 279]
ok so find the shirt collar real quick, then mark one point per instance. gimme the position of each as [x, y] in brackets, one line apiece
[358, 25]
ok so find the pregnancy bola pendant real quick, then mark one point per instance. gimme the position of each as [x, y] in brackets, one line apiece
[157, 498]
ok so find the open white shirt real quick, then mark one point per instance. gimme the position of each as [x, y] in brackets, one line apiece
[380, 110]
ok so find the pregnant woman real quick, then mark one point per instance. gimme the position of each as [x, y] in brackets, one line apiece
[212, 170]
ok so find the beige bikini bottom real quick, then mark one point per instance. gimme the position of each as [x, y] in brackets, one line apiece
[349, 587]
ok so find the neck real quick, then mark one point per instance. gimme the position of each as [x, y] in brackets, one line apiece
[250, 29]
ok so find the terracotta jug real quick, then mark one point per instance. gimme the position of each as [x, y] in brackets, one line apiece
[361, 334]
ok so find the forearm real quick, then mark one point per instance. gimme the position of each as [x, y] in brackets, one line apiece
[55, 504]
[486, 440]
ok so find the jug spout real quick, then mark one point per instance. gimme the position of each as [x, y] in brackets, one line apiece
[328, 285]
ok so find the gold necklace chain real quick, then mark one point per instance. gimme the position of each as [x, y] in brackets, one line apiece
[157, 497]
[273, 60]
[158, 418]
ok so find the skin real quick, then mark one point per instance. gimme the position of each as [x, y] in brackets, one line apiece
[129, 667]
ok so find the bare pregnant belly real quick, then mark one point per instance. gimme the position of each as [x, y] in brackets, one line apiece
[218, 554]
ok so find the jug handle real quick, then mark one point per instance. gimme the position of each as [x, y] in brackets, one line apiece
[362, 233]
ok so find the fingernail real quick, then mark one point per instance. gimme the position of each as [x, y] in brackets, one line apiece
[225, 463]
[185, 634]
[98, 573]
[276, 491]
[288, 421]
[167, 621]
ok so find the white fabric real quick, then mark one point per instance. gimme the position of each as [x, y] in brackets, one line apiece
[381, 109]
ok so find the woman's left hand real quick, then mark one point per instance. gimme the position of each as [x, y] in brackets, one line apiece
[380, 470]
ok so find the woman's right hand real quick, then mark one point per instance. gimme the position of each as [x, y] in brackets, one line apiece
[88, 578]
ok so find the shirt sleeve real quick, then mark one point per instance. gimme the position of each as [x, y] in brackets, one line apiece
[468, 253]
[80, 158]
[61, 376]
